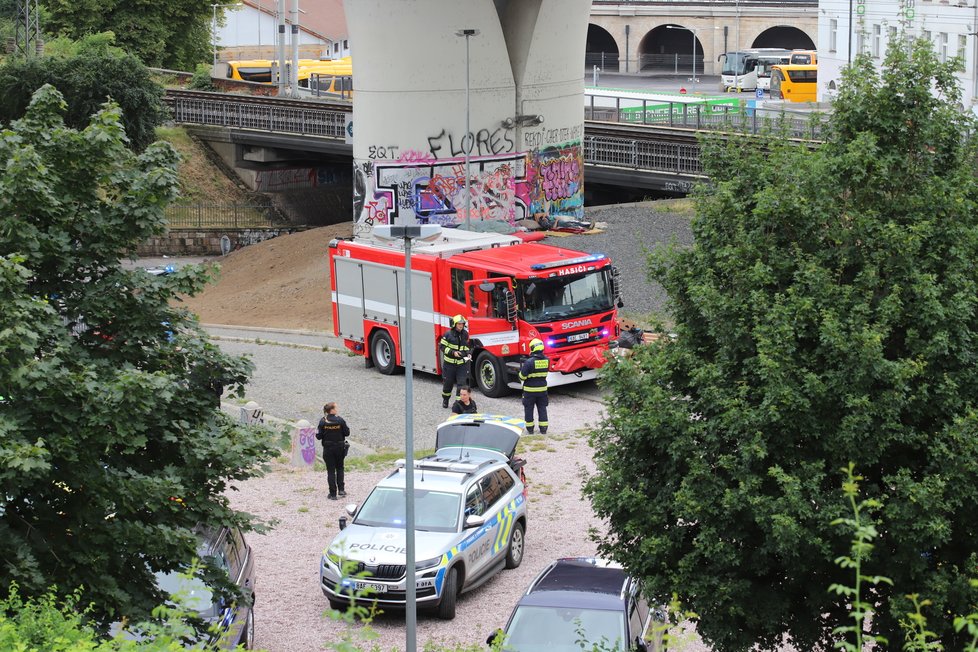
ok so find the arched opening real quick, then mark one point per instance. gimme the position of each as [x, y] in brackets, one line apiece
[600, 50]
[671, 48]
[783, 36]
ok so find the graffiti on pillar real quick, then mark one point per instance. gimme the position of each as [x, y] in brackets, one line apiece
[418, 187]
[555, 183]
[434, 192]
[307, 445]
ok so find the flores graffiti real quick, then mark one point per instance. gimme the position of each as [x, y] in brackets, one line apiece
[543, 183]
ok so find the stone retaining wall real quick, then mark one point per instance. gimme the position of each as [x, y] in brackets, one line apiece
[204, 242]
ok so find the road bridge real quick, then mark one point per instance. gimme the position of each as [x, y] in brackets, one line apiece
[263, 132]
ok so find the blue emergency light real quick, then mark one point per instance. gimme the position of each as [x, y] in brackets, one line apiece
[570, 261]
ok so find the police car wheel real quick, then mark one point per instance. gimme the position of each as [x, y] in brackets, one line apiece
[449, 593]
[514, 555]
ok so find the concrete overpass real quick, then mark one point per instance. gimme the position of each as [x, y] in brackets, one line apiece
[642, 36]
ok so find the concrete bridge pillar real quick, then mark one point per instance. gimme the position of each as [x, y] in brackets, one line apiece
[526, 112]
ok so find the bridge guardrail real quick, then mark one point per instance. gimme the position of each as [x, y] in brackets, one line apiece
[676, 153]
[231, 113]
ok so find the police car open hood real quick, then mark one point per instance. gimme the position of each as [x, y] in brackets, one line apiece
[480, 432]
[380, 545]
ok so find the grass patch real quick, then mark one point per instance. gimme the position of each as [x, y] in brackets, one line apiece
[532, 443]
[544, 489]
[303, 509]
[381, 458]
[305, 490]
[279, 502]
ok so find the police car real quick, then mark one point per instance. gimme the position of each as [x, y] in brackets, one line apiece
[470, 521]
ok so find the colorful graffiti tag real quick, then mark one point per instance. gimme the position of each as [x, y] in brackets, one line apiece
[421, 188]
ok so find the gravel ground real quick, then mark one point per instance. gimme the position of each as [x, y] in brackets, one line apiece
[292, 381]
[633, 230]
[290, 604]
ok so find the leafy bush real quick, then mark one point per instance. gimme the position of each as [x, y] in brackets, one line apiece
[827, 313]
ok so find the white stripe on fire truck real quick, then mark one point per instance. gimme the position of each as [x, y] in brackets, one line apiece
[378, 307]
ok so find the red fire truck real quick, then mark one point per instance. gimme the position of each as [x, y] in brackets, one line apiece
[509, 291]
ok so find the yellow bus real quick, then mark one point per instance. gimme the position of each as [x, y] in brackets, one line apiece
[803, 57]
[794, 83]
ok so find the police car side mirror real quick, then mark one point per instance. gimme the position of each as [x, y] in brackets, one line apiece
[351, 509]
[474, 521]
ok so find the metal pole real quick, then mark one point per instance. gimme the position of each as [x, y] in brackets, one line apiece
[281, 47]
[411, 597]
[259, 29]
[850, 32]
[214, 32]
[468, 149]
[294, 77]
[693, 32]
[737, 49]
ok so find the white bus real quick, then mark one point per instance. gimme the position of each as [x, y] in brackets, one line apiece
[746, 70]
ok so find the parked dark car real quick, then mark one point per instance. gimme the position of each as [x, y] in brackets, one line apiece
[586, 595]
[231, 622]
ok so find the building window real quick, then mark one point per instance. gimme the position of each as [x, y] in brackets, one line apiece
[833, 34]
[926, 35]
[860, 42]
[346, 44]
[942, 46]
[877, 37]
[962, 47]
[336, 47]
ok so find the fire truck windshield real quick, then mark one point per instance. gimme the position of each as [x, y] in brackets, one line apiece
[560, 297]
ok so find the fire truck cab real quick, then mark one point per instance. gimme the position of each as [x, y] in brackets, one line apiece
[509, 291]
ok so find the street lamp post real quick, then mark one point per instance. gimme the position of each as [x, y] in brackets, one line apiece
[214, 7]
[409, 233]
[693, 31]
[468, 132]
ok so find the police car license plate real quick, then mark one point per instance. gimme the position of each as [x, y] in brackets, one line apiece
[577, 337]
[373, 586]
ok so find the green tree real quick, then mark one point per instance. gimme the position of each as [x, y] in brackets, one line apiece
[827, 314]
[173, 34]
[87, 73]
[111, 445]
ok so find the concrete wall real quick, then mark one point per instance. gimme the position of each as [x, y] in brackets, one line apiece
[187, 242]
[410, 136]
[719, 28]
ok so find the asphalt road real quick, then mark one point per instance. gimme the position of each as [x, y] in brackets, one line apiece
[297, 372]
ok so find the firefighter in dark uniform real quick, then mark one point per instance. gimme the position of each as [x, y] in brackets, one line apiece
[455, 351]
[333, 432]
[533, 375]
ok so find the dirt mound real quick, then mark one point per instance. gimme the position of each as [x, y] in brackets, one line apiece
[279, 283]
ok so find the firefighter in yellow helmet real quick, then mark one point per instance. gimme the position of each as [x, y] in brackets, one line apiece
[456, 353]
[533, 375]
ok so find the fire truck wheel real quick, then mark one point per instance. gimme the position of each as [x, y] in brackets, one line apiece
[490, 376]
[382, 352]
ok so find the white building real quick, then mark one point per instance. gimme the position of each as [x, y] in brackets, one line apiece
[249, 29]
[846, 27]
